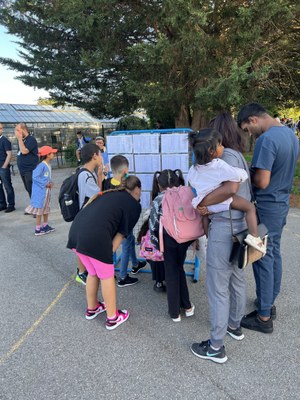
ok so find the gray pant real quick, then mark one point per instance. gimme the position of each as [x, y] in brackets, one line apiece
[226, 285]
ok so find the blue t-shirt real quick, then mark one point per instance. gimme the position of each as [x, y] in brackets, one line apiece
[5, 146]
[28, 162]
[276, 150]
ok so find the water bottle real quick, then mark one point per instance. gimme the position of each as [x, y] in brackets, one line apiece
[67, 199]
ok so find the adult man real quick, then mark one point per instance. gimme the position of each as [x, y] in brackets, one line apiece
[273, 164]
[5, 177]
[27, 158]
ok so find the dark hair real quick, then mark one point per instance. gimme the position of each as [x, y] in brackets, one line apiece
[166, 179]
[118, 163]
[204, 144]
[79, 133]
[232, 136]
[88, 151]
[143, 230]
[250, 110]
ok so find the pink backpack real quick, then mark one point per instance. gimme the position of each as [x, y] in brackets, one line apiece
[148, 251]
[181, 221]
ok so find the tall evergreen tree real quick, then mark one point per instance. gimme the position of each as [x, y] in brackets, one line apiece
[182, 59]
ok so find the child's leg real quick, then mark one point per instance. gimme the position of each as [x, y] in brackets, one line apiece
[81, 267]
[38, 220]
[45, 218]
[239, 203]
[92, 286]
[205, 223]
[108, 288]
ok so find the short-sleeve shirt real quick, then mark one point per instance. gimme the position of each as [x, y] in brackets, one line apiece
[95, 226]
[87, 186]
[28, 162]
[5, 146]
[276, 150]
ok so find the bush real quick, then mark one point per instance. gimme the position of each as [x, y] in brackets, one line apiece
[131, 123]
[70, 153]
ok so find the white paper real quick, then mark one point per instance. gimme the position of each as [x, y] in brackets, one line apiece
[119, 144]
[129, 158]
[145, 200]
[174, 143]
[175, 161]
[145, 143]
[147, 163]
[146, 180]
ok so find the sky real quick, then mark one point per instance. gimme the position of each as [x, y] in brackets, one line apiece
[12, 90]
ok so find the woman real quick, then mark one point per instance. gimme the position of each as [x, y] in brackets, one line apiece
[226, 286]
[96, 233]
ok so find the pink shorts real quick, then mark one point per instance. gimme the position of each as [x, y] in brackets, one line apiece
[96, 267]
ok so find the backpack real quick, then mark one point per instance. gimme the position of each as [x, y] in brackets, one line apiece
[181, 221]
[148, 251]
[68, 196]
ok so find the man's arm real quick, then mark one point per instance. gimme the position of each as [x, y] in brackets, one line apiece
[8, 159]
[261, 178]
[222, 193]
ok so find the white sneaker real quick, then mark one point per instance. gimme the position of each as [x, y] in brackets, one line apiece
[256, 242]
[191, 312]
[178, 319]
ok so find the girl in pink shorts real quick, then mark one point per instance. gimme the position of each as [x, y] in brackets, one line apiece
[95, 234]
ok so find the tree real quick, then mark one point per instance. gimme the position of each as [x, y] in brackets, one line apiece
[184, 59]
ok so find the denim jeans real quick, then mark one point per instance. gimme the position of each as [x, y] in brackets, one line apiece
[128, 252]
[5, 178]
[268, 270]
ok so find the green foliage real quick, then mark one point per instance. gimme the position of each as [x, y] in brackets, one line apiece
[70, 153]
[181, 60]
[131, 122]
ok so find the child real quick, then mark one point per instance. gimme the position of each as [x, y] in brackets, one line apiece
[41, 189]
[157, 267]
[88, 185]
[174, 253]
[96, 232]
[119, 166]
[210, 172]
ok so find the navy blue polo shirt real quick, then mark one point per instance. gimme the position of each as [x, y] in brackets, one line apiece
[28, 162]
[5, 146]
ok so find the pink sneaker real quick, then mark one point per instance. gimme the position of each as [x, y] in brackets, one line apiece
[91, 314]
[122, 316]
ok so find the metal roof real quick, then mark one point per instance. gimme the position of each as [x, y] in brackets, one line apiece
[29, 113]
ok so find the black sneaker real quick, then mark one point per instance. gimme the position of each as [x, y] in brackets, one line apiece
[253, 322]
[204, 350]
[81, 278]
[273, 309]
[135, 269]
[236, 334]
[128, 281]
[159, 287]
[9, 209]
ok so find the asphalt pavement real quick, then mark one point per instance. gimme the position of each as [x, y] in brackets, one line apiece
[48, 350]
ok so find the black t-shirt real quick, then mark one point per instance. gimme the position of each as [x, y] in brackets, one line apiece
[95, 226]
[28, 162]
[5, 146]
[107, 184]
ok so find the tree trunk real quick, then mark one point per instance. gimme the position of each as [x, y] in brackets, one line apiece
[200, 120]
[183, 119]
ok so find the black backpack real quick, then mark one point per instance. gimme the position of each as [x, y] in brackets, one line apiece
[68, 196]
